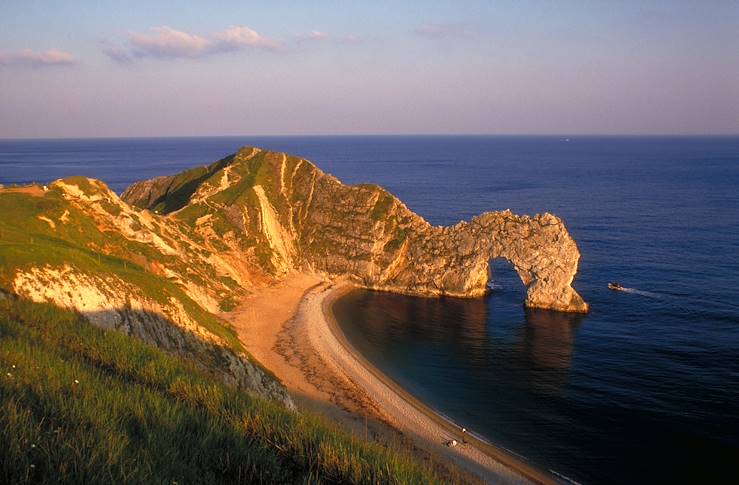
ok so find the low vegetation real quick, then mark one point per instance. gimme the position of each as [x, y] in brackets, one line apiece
[82, 405]
[26, 241]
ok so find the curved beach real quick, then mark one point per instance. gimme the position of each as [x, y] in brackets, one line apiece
[411, 415]
[292, 330]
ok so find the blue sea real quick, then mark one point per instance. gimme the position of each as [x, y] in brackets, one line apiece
[644, 389]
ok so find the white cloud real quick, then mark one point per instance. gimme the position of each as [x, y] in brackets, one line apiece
[28, 57]
[235, 38]
[165, 42]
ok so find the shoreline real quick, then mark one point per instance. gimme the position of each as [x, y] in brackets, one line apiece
[290, 328]
[444, 424]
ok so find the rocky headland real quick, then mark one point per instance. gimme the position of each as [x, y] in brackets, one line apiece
[165, 259]
[289, 215]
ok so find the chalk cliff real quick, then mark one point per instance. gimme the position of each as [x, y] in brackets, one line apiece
[276, 213]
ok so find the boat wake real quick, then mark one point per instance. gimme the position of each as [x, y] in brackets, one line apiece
[634, 291]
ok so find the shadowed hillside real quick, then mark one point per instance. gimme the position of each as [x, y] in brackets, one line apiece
[82, 405]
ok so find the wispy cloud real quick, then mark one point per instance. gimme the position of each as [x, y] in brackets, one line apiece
[440, 31]
[316, 36]
[167, 42]
[312, 36]
[164, 42]
[117, 53]
[31, 58]
[236, 38]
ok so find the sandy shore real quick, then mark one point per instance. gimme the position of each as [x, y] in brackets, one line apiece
[291, 329]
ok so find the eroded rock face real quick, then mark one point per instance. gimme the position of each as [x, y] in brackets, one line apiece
[149, 192]
[285, 213]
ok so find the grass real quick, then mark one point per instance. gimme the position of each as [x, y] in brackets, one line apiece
[81, 405]
[26, 241]
[383, 205]
[397, 241]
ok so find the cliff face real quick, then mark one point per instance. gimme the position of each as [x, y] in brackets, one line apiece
[278, 213]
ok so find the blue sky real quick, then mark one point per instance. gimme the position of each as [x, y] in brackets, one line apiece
[103, 68]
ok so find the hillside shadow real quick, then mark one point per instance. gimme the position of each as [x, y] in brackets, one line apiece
[230, 366]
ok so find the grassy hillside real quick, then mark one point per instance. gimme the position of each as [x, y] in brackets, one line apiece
[28, 241]
[81, 405]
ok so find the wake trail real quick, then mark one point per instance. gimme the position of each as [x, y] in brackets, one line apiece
[648, 294]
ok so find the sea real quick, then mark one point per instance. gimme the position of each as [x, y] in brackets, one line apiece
[643, 389]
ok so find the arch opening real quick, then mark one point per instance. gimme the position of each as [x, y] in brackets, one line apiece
[504, 279]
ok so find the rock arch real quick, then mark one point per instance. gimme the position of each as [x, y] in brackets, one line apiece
[455, 261]
[366, 233]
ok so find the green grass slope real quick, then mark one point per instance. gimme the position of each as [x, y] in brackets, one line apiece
[26, 241]
[81, 405]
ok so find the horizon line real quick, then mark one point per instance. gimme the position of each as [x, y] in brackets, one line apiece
[375, 135]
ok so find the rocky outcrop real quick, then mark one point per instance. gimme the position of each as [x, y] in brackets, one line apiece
[149, 193]
[282, 213]
[455, 260]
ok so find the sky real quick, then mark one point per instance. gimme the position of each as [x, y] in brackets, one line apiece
[102, 68]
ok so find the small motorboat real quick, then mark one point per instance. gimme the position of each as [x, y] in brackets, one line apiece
[615, 286]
